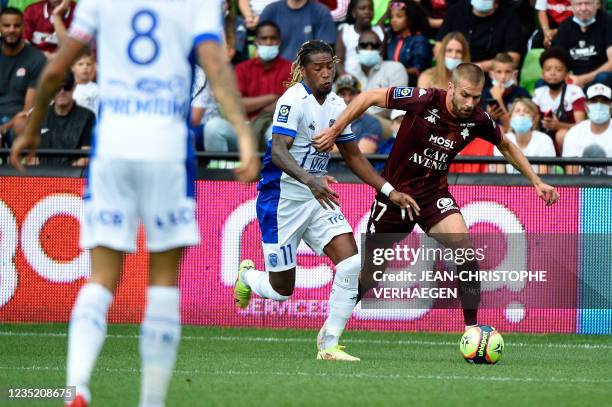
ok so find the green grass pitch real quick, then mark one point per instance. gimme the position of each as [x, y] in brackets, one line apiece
[257, 367]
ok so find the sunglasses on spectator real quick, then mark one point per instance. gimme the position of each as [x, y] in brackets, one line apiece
[397, 5]
[369, 45]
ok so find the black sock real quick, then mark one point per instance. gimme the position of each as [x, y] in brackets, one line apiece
[469, 292]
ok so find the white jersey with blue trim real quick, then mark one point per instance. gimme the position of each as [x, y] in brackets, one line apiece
[145, 71]
[299, 115]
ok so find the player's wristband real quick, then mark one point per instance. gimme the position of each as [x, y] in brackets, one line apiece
[387, 189]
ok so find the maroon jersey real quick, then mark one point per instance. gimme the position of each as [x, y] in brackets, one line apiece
[38, 25]
[429, 138]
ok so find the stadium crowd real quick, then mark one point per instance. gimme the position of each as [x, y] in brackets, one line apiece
[548, 65]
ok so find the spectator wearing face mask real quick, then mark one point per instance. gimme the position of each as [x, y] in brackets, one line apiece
[358, 20]
[533, 143]
[592, 137]
[260, 82]
[376, 73]
[453, 51]
[498, 99]
[561, 105]
[588, 38]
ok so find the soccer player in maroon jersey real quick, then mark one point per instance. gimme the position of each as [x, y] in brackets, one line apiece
[438, 124]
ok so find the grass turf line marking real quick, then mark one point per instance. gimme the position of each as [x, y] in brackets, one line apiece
[306, 340]
[334, 375]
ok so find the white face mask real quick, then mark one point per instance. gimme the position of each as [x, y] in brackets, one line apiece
[482, 6]
[507, 84]
[452, 63]
[267, 52]
[599, 113]
[584, 24]
[369, 57]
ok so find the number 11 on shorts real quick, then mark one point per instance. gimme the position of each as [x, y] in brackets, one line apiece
[287, 254]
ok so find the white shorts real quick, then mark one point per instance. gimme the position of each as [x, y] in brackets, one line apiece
[120, 194]
[285, 222]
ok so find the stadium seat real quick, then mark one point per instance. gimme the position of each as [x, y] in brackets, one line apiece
[531, 71]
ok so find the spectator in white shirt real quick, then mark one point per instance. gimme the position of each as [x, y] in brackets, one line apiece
[592, 138]
[523, 121]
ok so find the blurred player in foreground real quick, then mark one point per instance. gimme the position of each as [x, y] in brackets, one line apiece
[295, 201]
[438, 124]
[142, 165]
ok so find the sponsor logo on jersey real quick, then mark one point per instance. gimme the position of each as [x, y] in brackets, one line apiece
[283, 114]
[441, 141]
[446, 204]
[402, 92]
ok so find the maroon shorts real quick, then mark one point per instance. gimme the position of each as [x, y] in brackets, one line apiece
[387, 218]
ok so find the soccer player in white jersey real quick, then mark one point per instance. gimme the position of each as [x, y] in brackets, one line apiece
[142, 164]
[295, 201]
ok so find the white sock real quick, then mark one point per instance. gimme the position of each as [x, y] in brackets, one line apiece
[86, 334]
[342, 299]
[259, 281]
[160, 334]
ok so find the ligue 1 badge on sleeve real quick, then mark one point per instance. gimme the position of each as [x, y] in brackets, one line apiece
[402, 92]
[283, 113]
[273, 259]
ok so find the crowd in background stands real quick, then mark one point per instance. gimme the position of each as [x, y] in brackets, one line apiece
[548, 66]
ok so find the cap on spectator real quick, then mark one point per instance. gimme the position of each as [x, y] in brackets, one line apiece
[395, 113]
[557, 53]
[599, 89]
[348, 81]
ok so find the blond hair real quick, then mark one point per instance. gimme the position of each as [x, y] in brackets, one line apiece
[439, 73]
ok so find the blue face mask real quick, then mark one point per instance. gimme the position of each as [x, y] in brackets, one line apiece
[369, 57]
[599, 113]
[451, 63]
[521, 124]
[267, 52]
[482, 6]
[584, 24]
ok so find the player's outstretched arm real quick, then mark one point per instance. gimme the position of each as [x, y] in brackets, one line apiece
[51, 79]
[212, 57]
[364, 170]
[285, 161]
[518, 160]
[374, 97]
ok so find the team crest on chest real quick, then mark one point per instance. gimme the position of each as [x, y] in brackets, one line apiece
[465, 133]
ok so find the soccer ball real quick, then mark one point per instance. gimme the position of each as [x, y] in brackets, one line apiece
[482, 344]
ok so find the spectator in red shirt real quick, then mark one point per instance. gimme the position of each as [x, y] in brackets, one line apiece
[260, 81]
[39, 23]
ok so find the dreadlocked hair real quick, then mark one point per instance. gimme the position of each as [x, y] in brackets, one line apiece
[303, 58]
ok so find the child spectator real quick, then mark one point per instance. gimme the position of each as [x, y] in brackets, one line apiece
[560, 104]
[408, 43]
[453, 51]
[523, 121]
[551, 13]
[87, 92]
[499, 97]
[358, 20]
